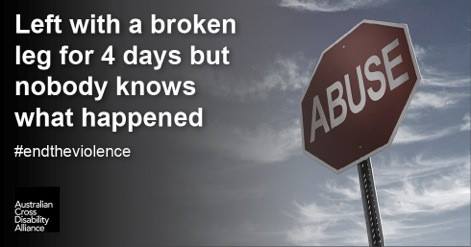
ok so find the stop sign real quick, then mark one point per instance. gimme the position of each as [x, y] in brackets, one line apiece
[358, 93]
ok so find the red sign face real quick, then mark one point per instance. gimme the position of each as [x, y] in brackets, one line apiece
[358, 93]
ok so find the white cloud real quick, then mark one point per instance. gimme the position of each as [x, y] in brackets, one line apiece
[448, 191]
[344, 192]
[436, 100]
[337, 219]
[416, 133]
[418, 167]
[440, 195]
[436, 77]
[329, 6]
[263, 144]
[284, 74]
[293, 74]
[436, 186]
[266, 144]
[446, 80]
[279, 74]
[319, 225]
[420, 52]
[408, 134]
[416, 232]
[439, 89]
[466, 126]
[412, 207]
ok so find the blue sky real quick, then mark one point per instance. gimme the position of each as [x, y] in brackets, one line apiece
[423, 179]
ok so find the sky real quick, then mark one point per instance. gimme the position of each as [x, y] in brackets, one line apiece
[423, 179]
[244, 179]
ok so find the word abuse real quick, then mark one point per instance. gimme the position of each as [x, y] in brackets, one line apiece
[372, 85]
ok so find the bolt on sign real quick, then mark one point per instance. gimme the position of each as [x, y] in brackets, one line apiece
[358, 93]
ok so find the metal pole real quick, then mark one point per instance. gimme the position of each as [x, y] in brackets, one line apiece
[370, 204]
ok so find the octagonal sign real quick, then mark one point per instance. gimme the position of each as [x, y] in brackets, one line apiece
[358, 93]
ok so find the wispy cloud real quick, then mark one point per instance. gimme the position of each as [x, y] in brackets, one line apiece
[406, 232]
[433, 77]
[408, 134]
[446, 80]
[436, 77]
[436, 100]
[442, 194]
[439, 90]
[327, 225]
[420, 52]
[329, 6]
[284, 74]
[339, 212]
[293, 73]
[436, 187]
[276, 75]
[418, 167]
[466, 126]
[416, 133]
[262, 144]
[266, 144]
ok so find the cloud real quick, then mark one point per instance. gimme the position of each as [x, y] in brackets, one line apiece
[437, 187]
[284, 74]
[418, 167]
[263, 144]
[445, 193]
[329, 6]
[337, 219]
[439, 90]
[446, 80]
[418, 193]
[416, 133]
[413, 207]
[466, 126]
[348, 193]
[417, 232]
[436, 77]
[408, 134]
[321, 224]
[266, 144]
[436, 100]
[293, 74]
[420, 52]
[433, 77]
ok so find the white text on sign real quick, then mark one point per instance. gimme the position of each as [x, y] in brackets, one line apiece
[319, 118]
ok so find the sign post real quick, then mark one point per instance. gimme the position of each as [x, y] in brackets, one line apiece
[370, 203]
[359, 91]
